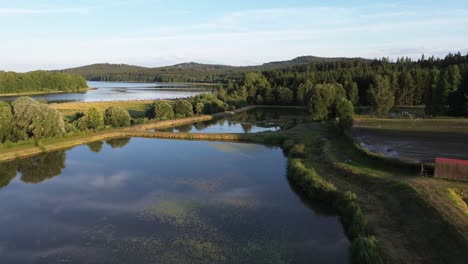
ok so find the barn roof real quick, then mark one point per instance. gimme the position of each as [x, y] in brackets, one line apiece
[451, 161]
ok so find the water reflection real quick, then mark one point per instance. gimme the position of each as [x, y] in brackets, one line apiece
[162, 201]
[108, 91]
[118, 142]
[35, 169]
[254, 121]
[96, 146]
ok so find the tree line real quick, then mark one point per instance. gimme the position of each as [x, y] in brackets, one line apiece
[439, 84]
[40, 81]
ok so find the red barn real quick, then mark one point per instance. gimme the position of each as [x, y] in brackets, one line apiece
[451, 168]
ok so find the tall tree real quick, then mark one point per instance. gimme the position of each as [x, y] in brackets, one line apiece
[381, 96]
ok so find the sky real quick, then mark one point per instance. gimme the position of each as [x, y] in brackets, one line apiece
[60, 34]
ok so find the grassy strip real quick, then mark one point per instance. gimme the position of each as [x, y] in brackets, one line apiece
[459, 125]
[364, 248]
[456, 197]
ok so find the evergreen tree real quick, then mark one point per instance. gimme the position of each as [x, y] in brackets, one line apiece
[381, 96]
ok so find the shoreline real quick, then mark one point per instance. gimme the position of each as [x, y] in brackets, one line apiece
[82, 90]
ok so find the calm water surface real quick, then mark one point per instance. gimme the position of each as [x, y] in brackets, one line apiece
[117, 91]
[253, 121]
[160, 201]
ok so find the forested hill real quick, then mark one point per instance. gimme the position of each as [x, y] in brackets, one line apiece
[185, 72]
[40, 81]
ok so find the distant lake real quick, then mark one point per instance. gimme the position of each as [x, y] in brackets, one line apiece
[119, 91]
[161, 201]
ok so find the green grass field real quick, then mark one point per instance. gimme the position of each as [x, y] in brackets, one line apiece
[459, 125]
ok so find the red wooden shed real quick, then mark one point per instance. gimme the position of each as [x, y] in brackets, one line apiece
[451, 168]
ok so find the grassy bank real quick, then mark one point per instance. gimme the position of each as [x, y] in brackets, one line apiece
[412, 217]
[453, 125]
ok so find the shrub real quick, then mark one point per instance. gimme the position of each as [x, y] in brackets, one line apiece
[199, 108]
[36, 120]
[313, 185]
[183, 108]
[94, 119]
[7, 122]
[288, 144]
[139, 121]
[297, 151]
[116, 116]
[162, 110]
[364, 250]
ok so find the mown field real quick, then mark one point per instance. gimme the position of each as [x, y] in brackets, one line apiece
[136, 109]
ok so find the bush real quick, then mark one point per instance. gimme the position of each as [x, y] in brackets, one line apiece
[7, 122]
[94, 119]
[36, 120]
[116, 116]
[162, 110]
[183, 108]
[199, 108]
[352, 216]
[288, 144]
[297, 151]
[364, 250]
[313, 185]
[139, 121]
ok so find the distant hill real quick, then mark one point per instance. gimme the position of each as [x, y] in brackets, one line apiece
[184, 72]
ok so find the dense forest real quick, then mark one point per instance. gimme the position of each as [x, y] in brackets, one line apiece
[40, 81]
[185, 72]
[439, 84]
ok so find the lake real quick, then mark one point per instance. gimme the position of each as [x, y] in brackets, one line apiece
[162, 201]
[118, 91]
[252, 121]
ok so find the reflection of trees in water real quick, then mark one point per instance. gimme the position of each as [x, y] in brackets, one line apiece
[41, 167]
[96, 146]
[199, 126]
[118, 142]
[247, 127]
[7, 173]
[185, 128]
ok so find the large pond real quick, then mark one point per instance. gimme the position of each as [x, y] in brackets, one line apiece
[253, 121]
[160, 201]
[117, 91]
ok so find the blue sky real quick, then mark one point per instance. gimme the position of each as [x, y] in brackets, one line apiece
[59, 34]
